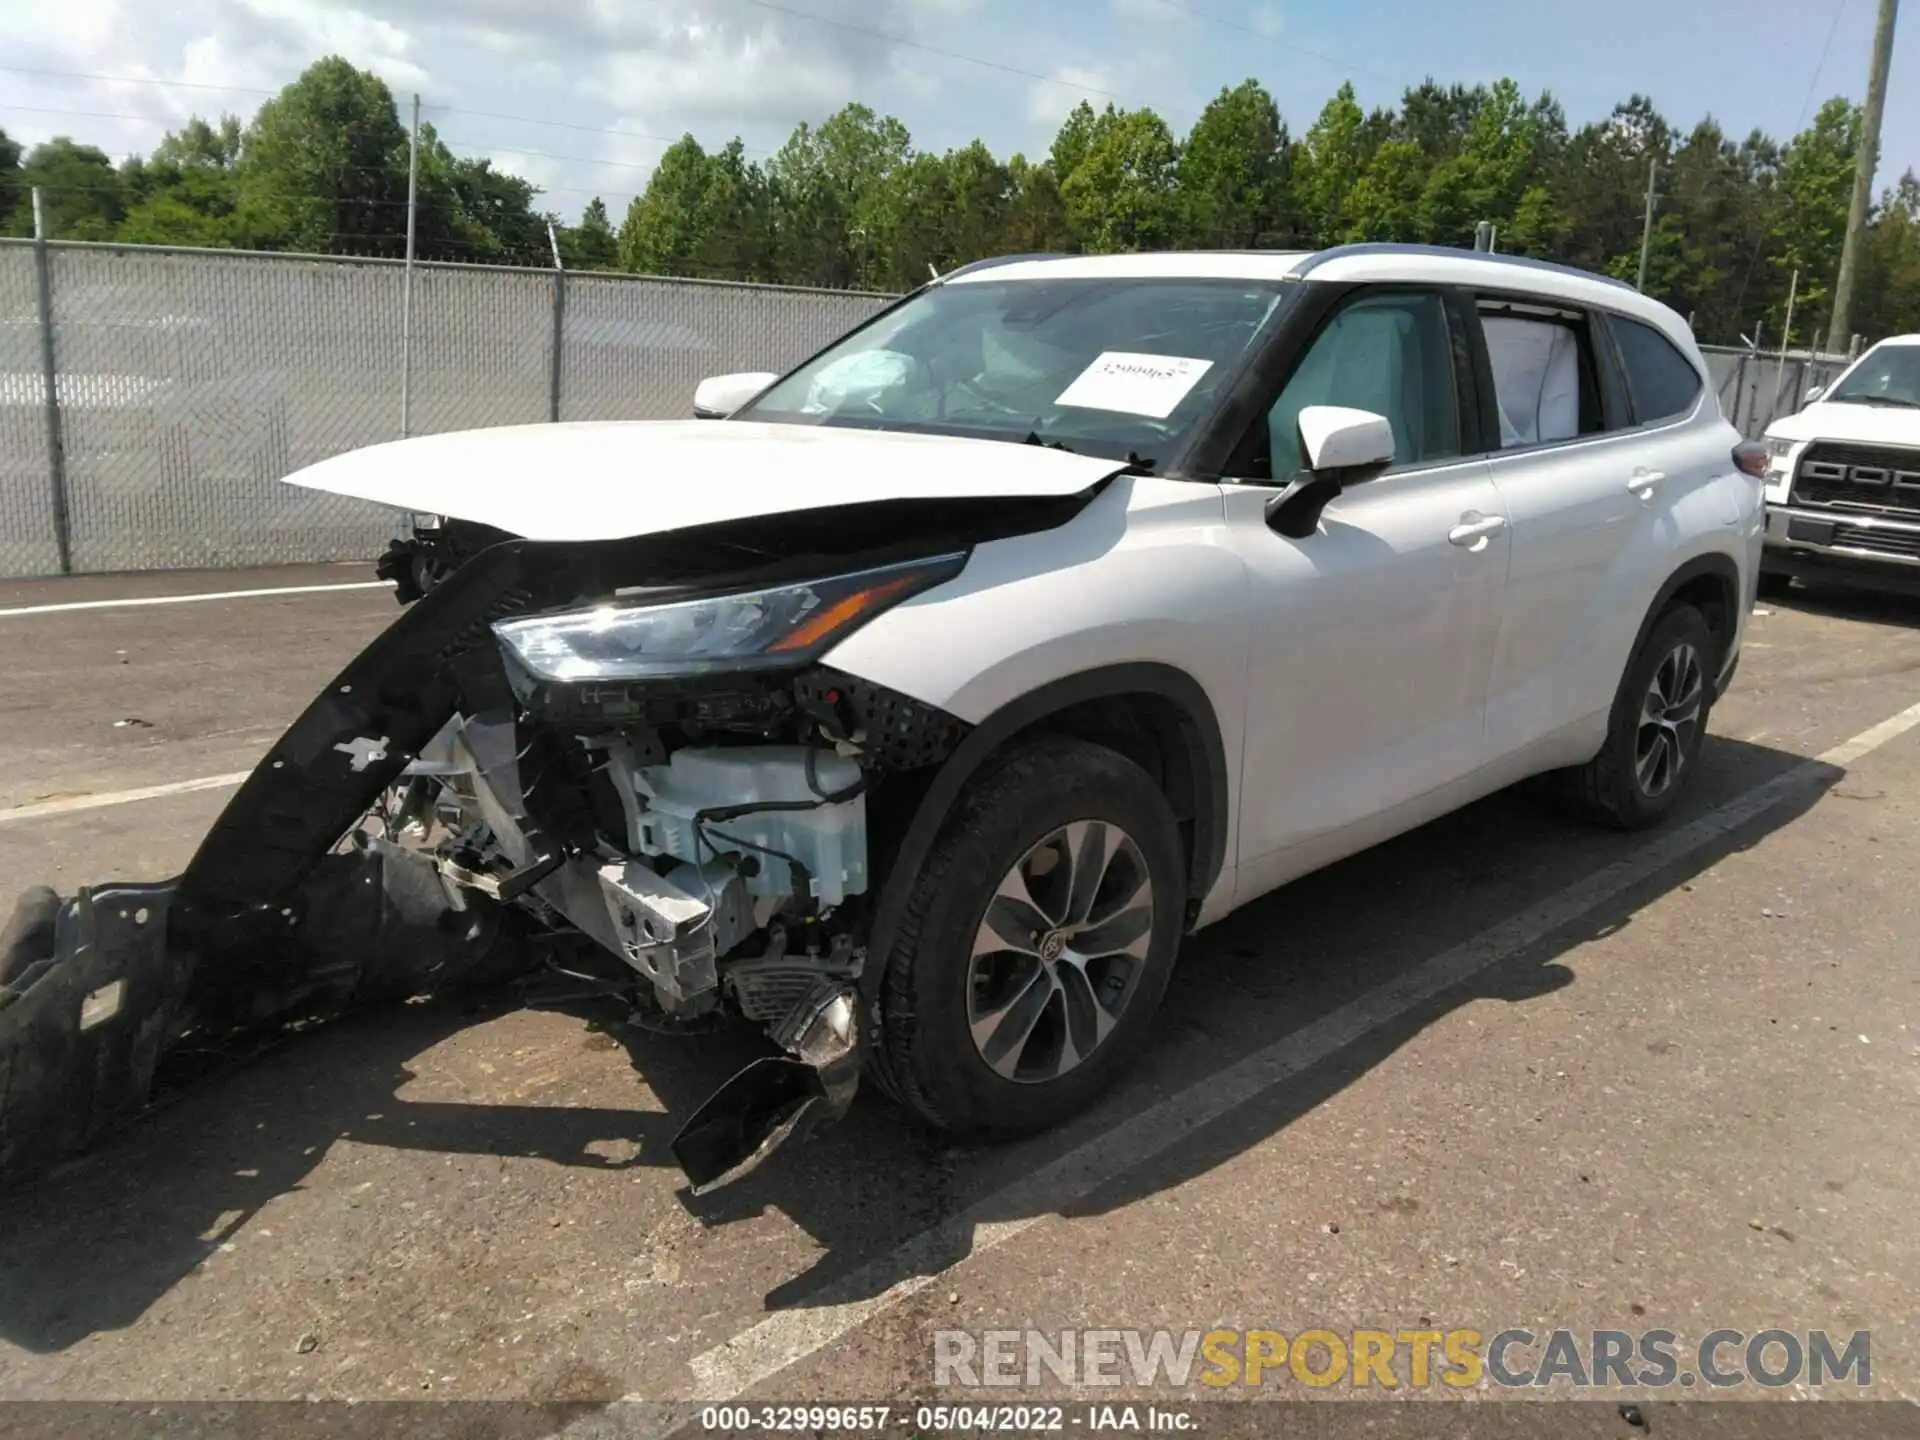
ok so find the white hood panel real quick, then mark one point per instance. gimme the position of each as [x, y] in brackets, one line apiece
[611, 480]
[1860, 424]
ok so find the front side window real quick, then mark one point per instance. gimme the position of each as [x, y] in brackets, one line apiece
[1886, 375]
[1545, 383]
[1115, 367]
[1389, 353]
[1661, 381]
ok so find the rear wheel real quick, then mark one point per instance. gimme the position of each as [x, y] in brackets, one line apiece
[1037, 942]
[1659, 722]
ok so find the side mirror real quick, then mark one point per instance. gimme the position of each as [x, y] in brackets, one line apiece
[1341, 446]
[719, 396]
[1815, 393]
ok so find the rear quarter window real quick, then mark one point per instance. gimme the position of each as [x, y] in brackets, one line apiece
[1662, 382]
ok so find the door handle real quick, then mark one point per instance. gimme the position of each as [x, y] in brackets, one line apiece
[1474, 529]
[1645, 481]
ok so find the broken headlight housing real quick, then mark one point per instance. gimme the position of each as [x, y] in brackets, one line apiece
[779, 627]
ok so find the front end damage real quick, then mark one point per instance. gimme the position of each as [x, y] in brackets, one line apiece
[511, 777]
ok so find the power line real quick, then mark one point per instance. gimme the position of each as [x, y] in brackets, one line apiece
[1760, 242]
[84, 114]
[133, 80]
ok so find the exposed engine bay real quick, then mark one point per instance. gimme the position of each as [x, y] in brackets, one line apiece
[622, 759]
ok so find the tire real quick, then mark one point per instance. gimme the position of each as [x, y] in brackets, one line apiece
[1626, 785]
[1018, 814]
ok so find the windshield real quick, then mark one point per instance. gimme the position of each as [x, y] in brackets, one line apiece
[1886, 375]
[1122, 368]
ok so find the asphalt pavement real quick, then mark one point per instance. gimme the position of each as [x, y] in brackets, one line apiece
[1505, 1073]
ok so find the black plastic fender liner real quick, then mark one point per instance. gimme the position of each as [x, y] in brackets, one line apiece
[85, 1029]
[82, 1028]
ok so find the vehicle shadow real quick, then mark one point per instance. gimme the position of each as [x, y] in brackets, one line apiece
[93, 1245]
[1835, 601]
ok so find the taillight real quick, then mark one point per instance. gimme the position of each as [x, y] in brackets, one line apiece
[1750, 457]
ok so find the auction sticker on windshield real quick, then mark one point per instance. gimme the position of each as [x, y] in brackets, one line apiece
[1135, 384]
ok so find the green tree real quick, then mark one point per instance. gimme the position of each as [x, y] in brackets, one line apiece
[1810, 223]
[1889, 292]
[1071, 141]
[590, 245]
[324, 165]
[701, 214]
[10, 191]
[668, 228]
[80, 192]
[1494, 170]
[1232, 173]
[828, 188]
[1331, 158]
[1036, 217]
[1121, 195]
[1599, 182]
[1384, 202]
[187, 192]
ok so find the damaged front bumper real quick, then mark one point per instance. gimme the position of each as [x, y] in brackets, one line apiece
[294, 909]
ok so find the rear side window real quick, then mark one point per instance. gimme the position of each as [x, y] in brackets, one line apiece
[1661, 381]
[1545, 383]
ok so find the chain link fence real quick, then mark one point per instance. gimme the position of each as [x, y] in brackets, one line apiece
[1756, 388]
[191, 381]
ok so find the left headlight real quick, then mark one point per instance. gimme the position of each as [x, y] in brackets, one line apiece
[775, 628]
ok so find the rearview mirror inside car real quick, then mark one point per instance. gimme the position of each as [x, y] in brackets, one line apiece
[718, 396]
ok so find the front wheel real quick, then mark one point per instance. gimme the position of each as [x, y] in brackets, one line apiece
[1037, 942]
[1658, 724]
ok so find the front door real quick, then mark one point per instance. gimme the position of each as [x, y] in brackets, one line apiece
[1372, 640]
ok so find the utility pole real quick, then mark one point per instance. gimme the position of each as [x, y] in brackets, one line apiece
[50, 378]
[1866, 160]
[406, 281]
[1646, 227]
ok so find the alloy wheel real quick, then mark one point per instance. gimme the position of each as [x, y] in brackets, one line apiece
[1669, 719]
[1059, 953]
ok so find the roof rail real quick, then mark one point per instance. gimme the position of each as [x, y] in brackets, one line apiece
[991, 261]
[1341, 252]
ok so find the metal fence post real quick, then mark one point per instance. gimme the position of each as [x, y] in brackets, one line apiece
[49, 374]
[559, 326]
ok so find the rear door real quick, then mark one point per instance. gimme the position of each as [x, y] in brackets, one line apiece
[1588, 494]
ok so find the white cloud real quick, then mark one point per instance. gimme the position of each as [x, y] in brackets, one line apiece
[1051, 101]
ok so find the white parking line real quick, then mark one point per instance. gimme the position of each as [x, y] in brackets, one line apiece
[783, 1339]
[136, 601]
[68, 805]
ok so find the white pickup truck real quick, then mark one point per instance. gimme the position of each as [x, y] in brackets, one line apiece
[1843, 478]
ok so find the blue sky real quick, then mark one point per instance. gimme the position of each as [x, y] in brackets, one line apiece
[569, 73]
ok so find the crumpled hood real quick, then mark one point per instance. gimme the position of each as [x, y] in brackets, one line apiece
[609, 480]
[1861, 424]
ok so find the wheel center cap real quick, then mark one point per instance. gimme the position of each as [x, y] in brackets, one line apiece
[1052, 944]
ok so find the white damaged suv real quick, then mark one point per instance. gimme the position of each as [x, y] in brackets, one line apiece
[918, 708]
